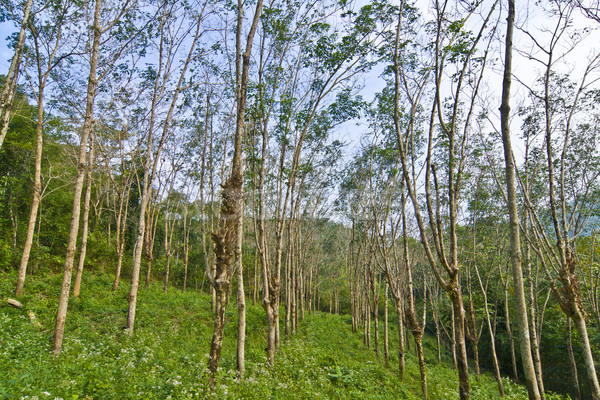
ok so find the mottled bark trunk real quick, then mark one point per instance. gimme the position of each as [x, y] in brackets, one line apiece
[151, 161]
[535, 348]
[118, 270]
[226, 239]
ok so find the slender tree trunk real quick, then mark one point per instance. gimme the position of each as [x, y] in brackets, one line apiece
[572, 361]
[375, 309]
[401, 358]
[511, 337]
[588, 359]
[386, 345]
[120, 234]
[535, 348]
[37, 196]
[515, 242]
[241, 299]
[63, 301]
[150, 234]
[186, 247]
[256, 282]
[86, 215]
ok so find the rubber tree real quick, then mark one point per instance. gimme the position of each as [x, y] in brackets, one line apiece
[559, 112]
[226, 238]
[49, 47]
[454, 49]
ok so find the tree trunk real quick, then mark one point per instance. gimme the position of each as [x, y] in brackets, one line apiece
[401, 358]
[459, 338]
[375, 308]
[537, 359]
[515, 241]
[386, 345]
[511, 338]
[588, 359]
[241, 299]
[61, 312]
[120, 234]
[572, 361]
[231, 196]
[219, 328]
[37, 195]
[86, 215]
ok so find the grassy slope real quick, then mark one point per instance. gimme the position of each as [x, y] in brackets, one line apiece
[167, 354]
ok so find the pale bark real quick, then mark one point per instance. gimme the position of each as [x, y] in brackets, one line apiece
[86, 215]
[572, 361]
[535, 347]
[61, 313]
[375, 307]
[401, 356]
[37, 196]
[511, 337]
[386, 345]
[588, 358]
[120, 235]
[187, 227]
[241, 299]
[515, 241]
[121, 209]
[150, 234]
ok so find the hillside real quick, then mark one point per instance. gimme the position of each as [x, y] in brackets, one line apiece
[166, 357]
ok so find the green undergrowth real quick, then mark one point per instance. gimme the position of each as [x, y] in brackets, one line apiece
[166, 357]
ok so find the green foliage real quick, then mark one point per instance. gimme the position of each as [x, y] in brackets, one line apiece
[166, 357]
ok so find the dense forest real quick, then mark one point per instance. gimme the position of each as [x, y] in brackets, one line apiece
[424, 174]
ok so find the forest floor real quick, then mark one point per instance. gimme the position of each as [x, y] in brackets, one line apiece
[166, 357]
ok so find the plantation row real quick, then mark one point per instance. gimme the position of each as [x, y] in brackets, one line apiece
[434, 162]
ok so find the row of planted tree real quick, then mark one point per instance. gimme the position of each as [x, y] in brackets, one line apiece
[202, 143]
